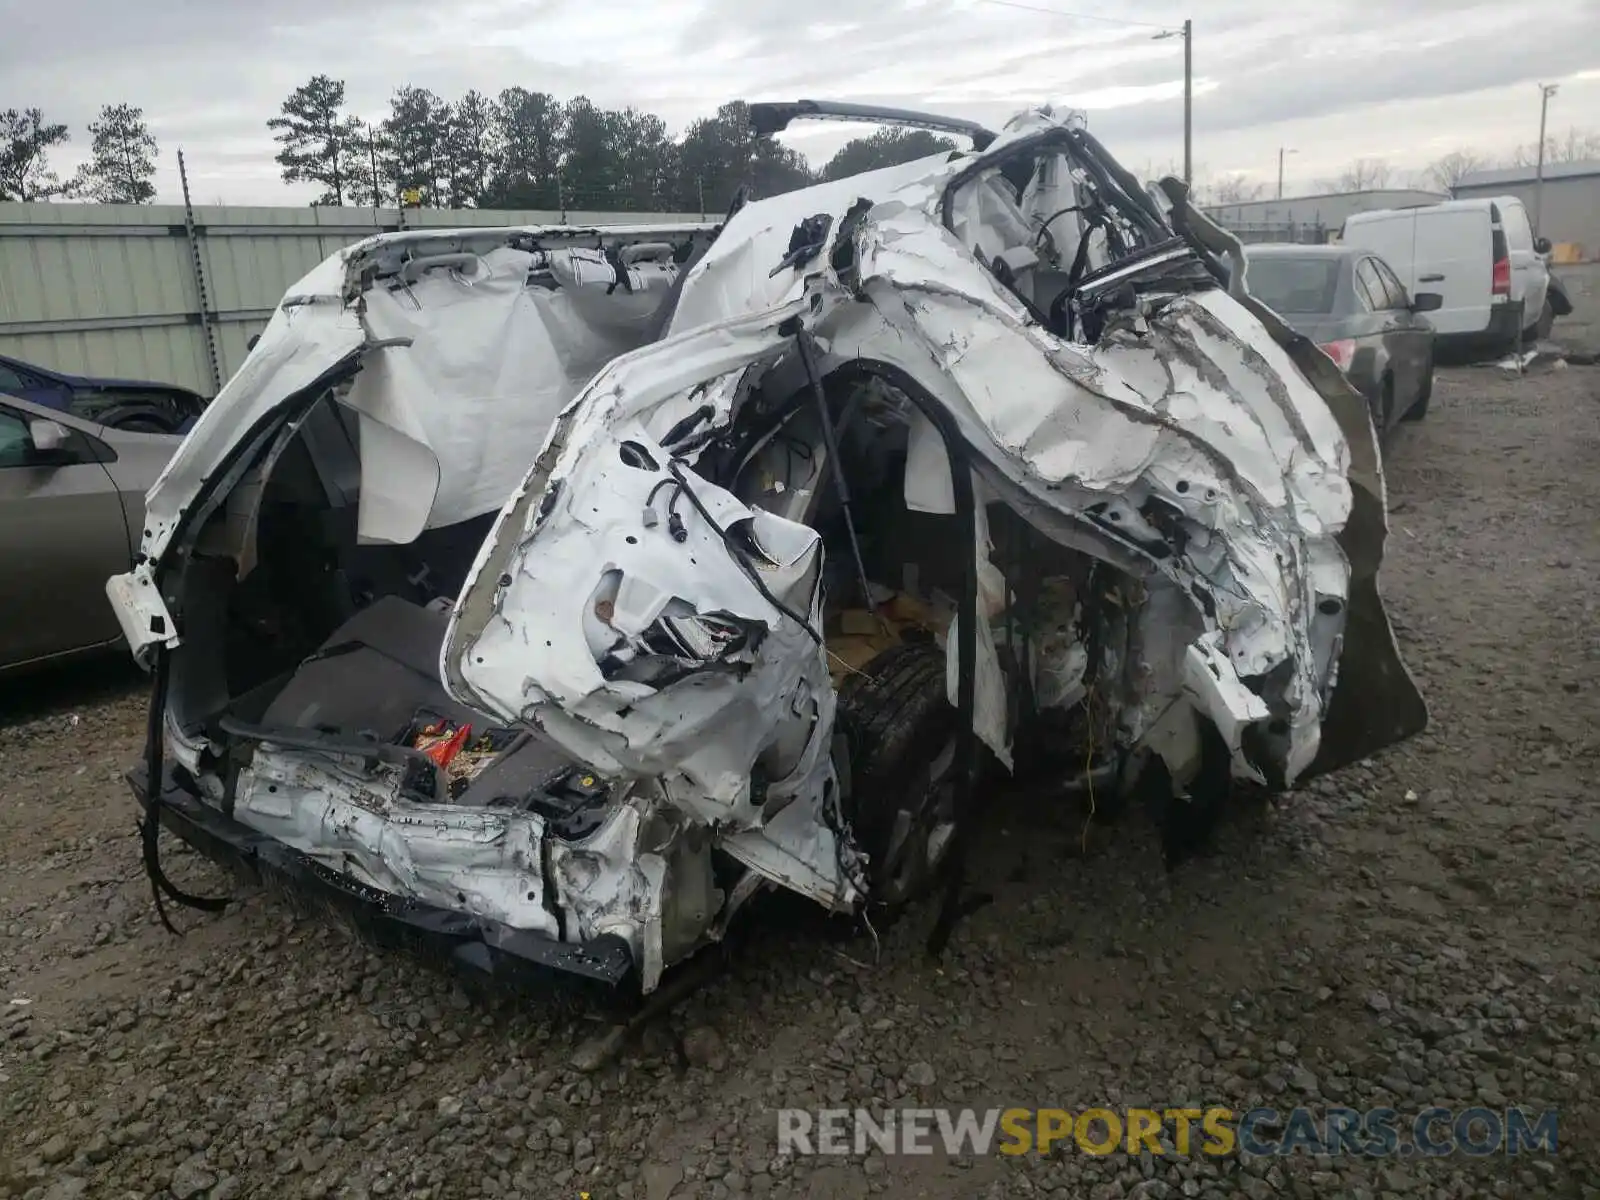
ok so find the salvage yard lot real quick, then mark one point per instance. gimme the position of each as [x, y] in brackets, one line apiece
[1415, 931]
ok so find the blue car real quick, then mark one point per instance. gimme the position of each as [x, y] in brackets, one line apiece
[132, 404]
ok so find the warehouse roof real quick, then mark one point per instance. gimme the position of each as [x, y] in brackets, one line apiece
[1499, 176]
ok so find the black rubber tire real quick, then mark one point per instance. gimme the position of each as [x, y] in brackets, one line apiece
[898, 724]
[1420, 409]
[1546, 321]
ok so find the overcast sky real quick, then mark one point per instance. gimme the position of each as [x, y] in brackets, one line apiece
[1403, 80]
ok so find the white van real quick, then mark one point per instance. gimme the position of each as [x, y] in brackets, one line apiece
[1479, 255]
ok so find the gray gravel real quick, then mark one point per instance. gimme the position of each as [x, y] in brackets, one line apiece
[1412, 931]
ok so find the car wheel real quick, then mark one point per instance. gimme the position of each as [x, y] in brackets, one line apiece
[1546, 322]
[902, 734]
[1419, 409]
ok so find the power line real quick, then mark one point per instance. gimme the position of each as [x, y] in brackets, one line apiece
[1076, 16]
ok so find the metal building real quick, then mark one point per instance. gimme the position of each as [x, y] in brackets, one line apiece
[1310, 218]
[139, 291]
[1570, 213]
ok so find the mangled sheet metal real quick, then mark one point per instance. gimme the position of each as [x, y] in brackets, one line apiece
[998, 424]
[1185, 442]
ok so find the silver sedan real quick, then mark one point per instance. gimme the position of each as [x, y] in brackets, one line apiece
[71, 515]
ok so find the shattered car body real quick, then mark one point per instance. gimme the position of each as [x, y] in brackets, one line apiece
[556, 591]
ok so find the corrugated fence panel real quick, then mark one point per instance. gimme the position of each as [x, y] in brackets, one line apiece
[101, 289]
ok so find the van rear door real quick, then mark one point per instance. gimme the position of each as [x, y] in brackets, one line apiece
[1390, 235]
[1530, 278]
[1454, 256]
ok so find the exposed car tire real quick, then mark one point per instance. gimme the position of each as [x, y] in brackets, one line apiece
[1419, 409]
[901, 732]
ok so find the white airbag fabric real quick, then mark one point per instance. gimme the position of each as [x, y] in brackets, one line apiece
[490, 364]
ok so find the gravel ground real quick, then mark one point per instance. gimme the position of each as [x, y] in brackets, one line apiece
[1580, 329]
[1412, 931]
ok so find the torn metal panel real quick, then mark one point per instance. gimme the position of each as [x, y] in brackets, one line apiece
[481, 861]
[1237, 540]
[1016, 338]
[614, 883]
[586, 614]
[322, 320]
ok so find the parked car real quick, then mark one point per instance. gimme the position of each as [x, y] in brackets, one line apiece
[1350, 303]
[548, 593]
[71, 513]
[131, 404]
[1482, 259]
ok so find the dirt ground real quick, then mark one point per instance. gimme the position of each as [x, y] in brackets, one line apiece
[1413, 931]
[1580, 329]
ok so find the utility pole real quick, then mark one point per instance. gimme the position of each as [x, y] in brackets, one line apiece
[1187, 34]
[372, 156]
[1546, 90]
[1281, 152]
[1188, 103]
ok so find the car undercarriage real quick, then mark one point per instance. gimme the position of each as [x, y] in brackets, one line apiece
[555, 592]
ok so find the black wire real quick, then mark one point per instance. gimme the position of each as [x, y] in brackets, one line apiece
[1044, 230]
[835, 460]
[794, 448]
[661, 483]
[676, 467]
[150, 827]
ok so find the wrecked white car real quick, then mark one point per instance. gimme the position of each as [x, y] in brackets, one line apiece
[551, 592]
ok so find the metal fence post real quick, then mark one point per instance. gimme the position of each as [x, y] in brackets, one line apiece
[192, 233]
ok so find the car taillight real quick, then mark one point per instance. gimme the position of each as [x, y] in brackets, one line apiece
[1342, 352]
[1501, 280]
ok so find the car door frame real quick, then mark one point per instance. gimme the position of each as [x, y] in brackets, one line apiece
[28, 594]
[1530, 277]
[1375, 297]
[1413, 338]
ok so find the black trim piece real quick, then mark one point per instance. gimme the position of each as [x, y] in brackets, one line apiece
[240, 457]
[1556, 294]
[768, 118]
[150, 826]
[210, 495]
[830, 442]
[478, 943]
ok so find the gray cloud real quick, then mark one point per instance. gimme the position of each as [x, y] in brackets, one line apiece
[1347, 77]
